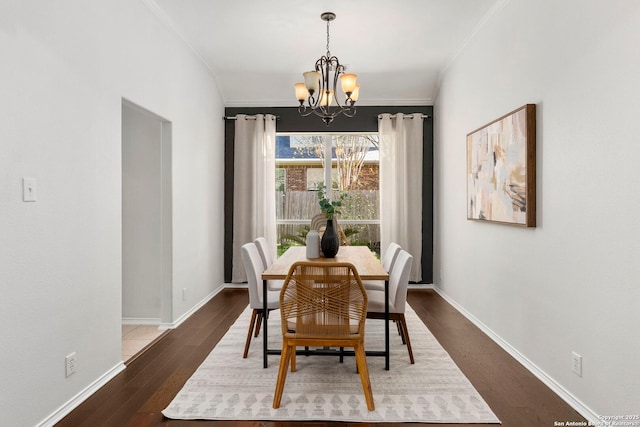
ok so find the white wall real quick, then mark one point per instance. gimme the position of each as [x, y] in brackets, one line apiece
[572, 283]
[65, 68]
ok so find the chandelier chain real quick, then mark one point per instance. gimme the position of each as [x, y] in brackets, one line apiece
[328, 52]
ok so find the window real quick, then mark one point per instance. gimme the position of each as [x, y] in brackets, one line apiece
[353, 170]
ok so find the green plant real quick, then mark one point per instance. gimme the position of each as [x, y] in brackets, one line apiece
[299, 238]
[329, 208]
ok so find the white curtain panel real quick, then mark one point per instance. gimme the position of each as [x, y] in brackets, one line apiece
[401, 185]
[254, 186]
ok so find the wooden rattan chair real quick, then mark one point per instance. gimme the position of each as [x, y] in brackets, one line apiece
[323, 304]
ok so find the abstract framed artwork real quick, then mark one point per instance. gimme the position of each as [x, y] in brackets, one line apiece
[501, 169]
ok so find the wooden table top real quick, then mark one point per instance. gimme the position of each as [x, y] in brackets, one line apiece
[368, 266]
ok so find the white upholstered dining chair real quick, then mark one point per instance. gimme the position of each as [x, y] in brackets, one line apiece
[254, 269]
[387, 263]
[398, 283]
[265, 253]
[267, 260]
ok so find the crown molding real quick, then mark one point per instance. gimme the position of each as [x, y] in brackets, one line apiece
[494, 10]
[168, 23]
[292, 103]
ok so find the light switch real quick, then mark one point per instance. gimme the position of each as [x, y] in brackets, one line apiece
[28, 189]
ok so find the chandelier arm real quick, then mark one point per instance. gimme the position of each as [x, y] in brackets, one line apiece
[350, 111]
[313, 102]
[302, 110]
[321, 68]
[336, 76]
[327, 117]
[328, 112]
[325, 68]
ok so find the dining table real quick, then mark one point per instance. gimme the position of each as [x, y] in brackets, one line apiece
[365, 262]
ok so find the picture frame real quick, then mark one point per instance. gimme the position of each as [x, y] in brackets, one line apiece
[501, 169]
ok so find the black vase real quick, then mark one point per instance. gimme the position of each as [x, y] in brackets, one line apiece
[330, 242]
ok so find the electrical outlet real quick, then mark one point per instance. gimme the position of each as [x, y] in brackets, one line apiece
[70, 364]
[184, 294]
[576, 363]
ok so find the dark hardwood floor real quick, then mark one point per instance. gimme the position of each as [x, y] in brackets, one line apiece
[136, 397]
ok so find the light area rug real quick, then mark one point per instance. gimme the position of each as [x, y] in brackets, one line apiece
[433, 390]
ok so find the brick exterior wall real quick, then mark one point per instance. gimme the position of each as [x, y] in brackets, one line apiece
[296, 178]
[368, 179]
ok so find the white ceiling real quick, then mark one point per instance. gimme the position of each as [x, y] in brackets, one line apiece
[257, 50]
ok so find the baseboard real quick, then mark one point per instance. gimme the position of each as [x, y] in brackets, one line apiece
[75, 401]
[558, 389]
[188, 313]
[140, 321]
[236, 285]
[420, 286]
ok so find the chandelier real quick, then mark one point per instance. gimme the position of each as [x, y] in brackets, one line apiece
[319, 89]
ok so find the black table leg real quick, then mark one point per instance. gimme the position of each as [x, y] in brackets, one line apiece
[265, 316]
[386, 325]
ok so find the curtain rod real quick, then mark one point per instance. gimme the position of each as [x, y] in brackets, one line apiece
[248, 117]
[407, 116]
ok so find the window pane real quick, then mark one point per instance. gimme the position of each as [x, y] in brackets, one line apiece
[300, 162]
[356, 162]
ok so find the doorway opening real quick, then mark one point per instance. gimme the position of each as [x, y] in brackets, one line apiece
[146, 226]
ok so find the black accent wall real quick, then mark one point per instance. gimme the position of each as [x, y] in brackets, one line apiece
[366, 120]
